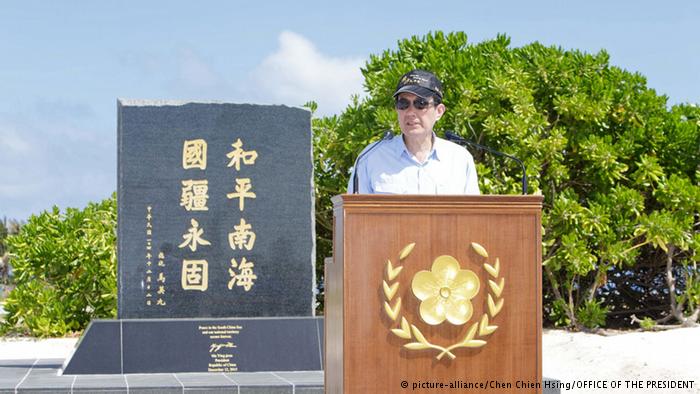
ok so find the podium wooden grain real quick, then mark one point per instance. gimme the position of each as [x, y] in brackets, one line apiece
[364, 356]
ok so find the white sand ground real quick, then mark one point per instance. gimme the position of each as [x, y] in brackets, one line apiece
[570, 357]
[647, 356]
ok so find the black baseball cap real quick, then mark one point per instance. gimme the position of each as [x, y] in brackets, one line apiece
[421, 83]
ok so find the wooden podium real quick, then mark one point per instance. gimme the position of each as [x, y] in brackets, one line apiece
[377, 337]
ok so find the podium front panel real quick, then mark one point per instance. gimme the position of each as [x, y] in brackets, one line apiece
[435, 293]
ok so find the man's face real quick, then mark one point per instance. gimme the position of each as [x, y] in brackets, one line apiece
[418, 122]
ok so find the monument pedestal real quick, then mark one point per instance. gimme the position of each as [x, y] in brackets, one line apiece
[127, 346]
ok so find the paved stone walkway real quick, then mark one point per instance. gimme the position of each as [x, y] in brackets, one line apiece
[41, 376]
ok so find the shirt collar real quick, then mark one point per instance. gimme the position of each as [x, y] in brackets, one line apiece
[401, 150]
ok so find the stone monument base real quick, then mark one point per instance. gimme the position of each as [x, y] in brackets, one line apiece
[224, 345]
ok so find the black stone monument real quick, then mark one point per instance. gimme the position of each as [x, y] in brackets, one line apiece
[215, 242]
[215, 210]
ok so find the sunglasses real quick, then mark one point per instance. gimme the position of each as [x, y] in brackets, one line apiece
[419, 103]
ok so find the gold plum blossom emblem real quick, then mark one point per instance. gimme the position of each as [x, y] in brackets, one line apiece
[445, 291]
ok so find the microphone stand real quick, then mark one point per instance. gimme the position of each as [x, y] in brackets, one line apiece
[388, 134]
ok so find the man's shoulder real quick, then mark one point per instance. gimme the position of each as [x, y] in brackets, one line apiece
[381, 148]
[447, 144]
[448, 147]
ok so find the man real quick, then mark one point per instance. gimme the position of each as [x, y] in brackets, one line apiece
[418, 162]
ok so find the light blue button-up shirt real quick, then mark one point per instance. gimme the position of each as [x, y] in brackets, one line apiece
[391, 169]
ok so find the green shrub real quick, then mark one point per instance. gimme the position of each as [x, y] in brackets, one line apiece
[647, 323]
[557, 314]
[618, 169]
[592, 314]
[64, 269]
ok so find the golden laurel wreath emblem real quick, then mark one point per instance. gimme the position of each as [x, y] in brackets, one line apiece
[476, 333]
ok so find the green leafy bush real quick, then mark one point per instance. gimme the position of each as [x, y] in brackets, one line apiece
[647, 324]
[618, 169]
[64, 269]
[592, 314]
[558, 315]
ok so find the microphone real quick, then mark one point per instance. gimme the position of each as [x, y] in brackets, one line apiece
[461, 141]
[388, 134]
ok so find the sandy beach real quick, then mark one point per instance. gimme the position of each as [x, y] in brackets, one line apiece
[662, 357]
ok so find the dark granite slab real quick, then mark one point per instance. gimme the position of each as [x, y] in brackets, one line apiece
[182, 169]
[99, 349]
[199, 345]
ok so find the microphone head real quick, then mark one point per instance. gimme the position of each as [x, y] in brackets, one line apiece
[388, 134]
[450, 135]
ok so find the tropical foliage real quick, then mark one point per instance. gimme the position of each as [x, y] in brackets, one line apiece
[618, 169]
[65, 270]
